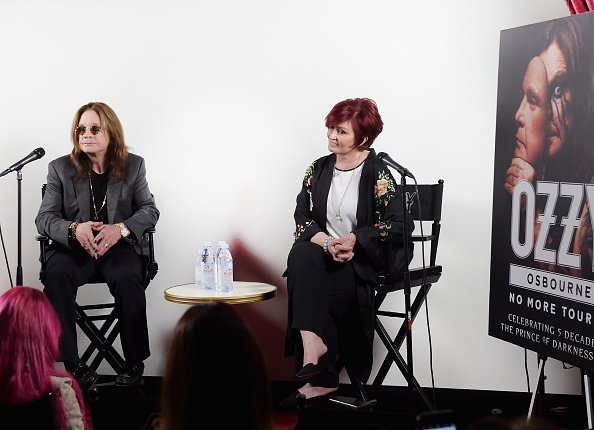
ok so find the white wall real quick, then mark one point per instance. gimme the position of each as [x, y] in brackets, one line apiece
[226, 100]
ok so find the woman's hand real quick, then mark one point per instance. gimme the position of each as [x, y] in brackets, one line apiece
[341, 249]
[108, 236]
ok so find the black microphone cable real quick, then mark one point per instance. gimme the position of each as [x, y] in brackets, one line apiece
[6, 257]
[426, 295]
[405, 172]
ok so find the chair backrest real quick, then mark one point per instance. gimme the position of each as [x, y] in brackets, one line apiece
[38, 414]
[423, 204]
[430, 197]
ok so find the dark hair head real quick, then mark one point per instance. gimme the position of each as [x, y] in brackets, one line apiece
[214, 373]
[579, 82]
[364, 117]
[568, 35]
[117, 152]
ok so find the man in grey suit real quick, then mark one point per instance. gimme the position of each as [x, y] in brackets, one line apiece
[96, 208]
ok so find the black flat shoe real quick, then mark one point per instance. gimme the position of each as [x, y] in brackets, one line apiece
[84, 375]
[318, 401]
[309, 371]
[294, 401]
[131, 375]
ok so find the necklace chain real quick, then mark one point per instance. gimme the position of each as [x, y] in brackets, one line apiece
[337, 211]
[97, 212]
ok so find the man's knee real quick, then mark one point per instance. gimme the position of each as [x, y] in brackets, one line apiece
[125, 279]
[60, 275]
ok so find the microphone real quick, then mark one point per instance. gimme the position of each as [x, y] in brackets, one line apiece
[34, 155]
[388, 160]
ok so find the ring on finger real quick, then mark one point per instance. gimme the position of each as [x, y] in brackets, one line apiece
[106, 245]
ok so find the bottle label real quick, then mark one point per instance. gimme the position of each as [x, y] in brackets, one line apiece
[208, 276]
[227, 280]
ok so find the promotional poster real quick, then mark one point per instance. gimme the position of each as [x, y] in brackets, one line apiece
[542, 273]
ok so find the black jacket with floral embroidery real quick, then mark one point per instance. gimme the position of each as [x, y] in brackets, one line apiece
[379, 216]
[379, 213]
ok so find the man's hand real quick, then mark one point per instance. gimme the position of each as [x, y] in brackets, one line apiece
[518, 170]
[108, 236]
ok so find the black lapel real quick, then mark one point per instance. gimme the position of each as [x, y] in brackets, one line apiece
[365, 204]
[83, 197]
[321, 188]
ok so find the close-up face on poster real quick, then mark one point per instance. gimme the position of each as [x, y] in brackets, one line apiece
[542, 273]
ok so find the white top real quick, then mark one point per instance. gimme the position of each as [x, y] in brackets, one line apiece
[341, 208]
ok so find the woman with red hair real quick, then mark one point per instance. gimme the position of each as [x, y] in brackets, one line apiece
[348, 205]
[30, 329]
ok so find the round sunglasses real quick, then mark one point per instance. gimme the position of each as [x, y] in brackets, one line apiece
[82, 129]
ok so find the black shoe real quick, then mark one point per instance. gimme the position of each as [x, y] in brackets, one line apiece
[297, 401]
[318, 401]
[84, 375]
[131, 374]
[294, 401]
[308, 371]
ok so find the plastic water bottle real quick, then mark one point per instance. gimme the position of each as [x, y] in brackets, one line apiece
[198, 270]
[225, 269]
[207, 267]
[221, 242]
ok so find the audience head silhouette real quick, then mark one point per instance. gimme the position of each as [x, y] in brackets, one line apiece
[30, 329]
[215, 375]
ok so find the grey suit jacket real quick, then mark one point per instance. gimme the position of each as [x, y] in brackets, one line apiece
[67, 199]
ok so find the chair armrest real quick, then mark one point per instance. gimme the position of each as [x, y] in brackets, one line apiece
[418, 276]
[152, 267]
[43, 243]
[423, 238]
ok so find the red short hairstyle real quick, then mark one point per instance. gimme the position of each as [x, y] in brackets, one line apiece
[364, 116]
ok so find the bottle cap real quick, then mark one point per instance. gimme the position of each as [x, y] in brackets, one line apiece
[207, 243]
[225, 245]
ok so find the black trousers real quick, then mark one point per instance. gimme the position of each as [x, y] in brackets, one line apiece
[121, 268]
[322, 299]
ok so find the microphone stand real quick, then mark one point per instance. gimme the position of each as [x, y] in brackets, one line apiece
[34, 155]
[19, 273]
[406, 271]
[407, 289]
